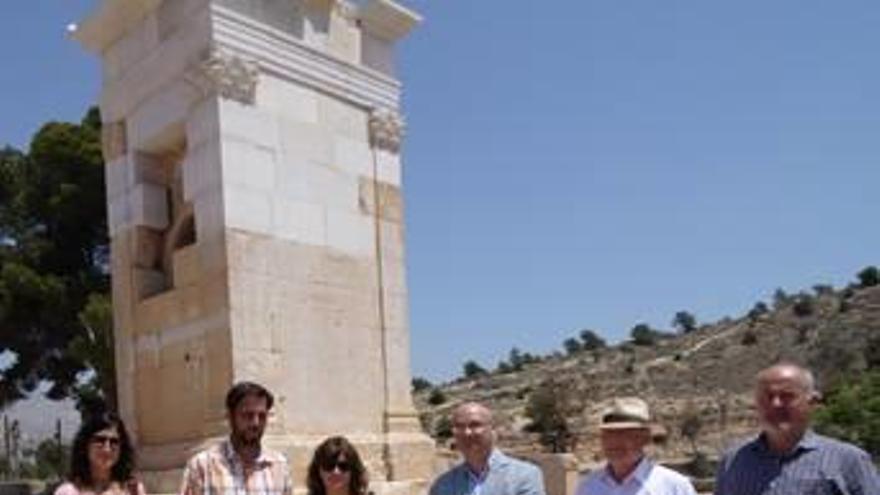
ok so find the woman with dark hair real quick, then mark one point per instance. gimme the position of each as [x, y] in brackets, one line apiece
[336, 469]
[102, 460]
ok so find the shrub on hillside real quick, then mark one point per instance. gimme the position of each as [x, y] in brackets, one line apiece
[759, 309]
[572, 345]
[443, 428]
[869, 276]
[504, 367]
[804, 305]
[780, 299]
[548, 408]
[643, 334]
[437, 397]
[823, 289]
[684, 321]
[419, 384]
[516, 359]
[591, 341]
[749, 337]
[472, 369]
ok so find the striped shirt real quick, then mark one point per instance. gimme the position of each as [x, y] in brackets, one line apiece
[219, 471]
[817, 465]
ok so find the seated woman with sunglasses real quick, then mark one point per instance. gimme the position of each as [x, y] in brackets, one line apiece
[102, 460]
[336, 469]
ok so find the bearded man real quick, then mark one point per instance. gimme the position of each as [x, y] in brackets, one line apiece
[239, 464]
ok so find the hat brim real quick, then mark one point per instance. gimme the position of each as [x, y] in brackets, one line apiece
[625, 425]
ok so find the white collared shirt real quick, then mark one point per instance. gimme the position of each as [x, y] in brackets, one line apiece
[648, 478]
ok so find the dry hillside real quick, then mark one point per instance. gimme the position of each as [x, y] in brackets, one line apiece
[705, 373]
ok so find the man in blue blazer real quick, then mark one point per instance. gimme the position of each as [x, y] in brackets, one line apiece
[484, 470]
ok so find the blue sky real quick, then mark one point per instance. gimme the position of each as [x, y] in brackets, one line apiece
[591, 164]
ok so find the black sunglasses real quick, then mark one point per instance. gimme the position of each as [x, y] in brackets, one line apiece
[105, 440]
[330, 464]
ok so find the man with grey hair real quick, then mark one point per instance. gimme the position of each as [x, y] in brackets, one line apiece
[484, 470]
[787, 457]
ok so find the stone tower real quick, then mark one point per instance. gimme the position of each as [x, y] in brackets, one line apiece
[256, 219]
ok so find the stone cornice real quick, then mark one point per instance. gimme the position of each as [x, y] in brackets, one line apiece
[387, 19]
[112, 19]
[289, 58]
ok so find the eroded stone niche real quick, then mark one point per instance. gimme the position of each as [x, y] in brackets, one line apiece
[171, 224]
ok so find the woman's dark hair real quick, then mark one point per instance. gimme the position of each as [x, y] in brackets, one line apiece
[329, 451]
[80, 470]
[241, 390]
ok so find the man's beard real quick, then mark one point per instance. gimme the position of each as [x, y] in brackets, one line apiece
[247, 439]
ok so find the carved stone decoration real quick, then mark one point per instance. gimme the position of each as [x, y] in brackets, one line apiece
[346, 10]
[113, 140]
[228, 75]
[386, 129]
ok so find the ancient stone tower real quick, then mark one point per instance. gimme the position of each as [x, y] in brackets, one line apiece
[254, 188]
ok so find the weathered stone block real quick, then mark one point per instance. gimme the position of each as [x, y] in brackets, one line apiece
[149, 206]
[354, 157]
[186, 266]
[300, 222]
[331, 187]
[388, 167]
[302, 142]
[149, 282]
[343, 119]
[288, 102]
[202, 170]
[249, 166]
[248, 123]
[351, 233]
[247, 210]
[148, 248]
[388, 197]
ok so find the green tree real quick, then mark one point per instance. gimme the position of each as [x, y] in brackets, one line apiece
[869, 276]
[823, 289]
[643, 334]
[443, 428]
[472, 369]
[804, 305]
[571, 345]
[437, 397]
[780, 298]
[591, 341]
[691, 426]
[548, 408]
[759, 309]
[504, 367]
[852, 412]
[516, 359]
[419, 384]
[51, 459]
[53, 256]
[872, 352]
[684, 321]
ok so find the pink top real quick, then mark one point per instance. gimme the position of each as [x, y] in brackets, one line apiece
[68, 488]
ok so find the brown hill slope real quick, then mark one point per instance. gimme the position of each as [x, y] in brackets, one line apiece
[705, 374]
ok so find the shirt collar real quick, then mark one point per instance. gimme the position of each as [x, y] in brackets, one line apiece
[640, 473]
[262, 460]
[494, 460]
[809, 441]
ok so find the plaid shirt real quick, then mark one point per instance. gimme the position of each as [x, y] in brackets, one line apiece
[219, 471]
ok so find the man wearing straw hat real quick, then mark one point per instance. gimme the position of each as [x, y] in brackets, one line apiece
[625, 431]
